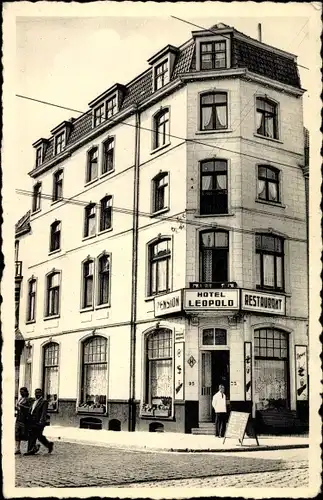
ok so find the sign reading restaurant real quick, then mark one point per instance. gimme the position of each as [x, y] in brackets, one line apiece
[168, 304]
[211, 300]
[263, 302]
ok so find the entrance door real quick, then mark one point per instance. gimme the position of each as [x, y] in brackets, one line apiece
[215, 370]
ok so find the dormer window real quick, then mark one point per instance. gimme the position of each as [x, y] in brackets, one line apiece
[40, 147]
[213, 55]
[59, 143]
[107, 104]
[99, 115]
[39, 156]
[111, 107]
[161, 75]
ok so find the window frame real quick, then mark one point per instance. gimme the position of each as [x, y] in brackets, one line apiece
[164, 75]
[107, 209]
[54, 233]
[214, 175]
[276, 121]
[56, 291]
[87, 218]
[276, 255]
[89, 178]
[105, 152]
[213, 248]
[88, 261]
[45, 348]
[59, 141]
[98, 119]
[214, 330]
[39, 156]
[155, 188]
[213, 107]
[58, 181]
[31, 311]
[267, 181]
[169, 266]
[99, 303]
[213, 54]
[36, 201]
[159, 142]
[81, 399]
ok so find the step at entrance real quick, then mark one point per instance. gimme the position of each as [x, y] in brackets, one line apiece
[205, 428]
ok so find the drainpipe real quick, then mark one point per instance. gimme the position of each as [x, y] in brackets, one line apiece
[134, 276]
[259, 32]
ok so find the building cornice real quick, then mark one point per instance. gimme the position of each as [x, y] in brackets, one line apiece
[249, 75]
[212, 75]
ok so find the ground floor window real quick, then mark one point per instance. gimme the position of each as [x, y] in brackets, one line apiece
[28, 367]
[159, 373]
[94, 375]
[271, 370]
[51, 367]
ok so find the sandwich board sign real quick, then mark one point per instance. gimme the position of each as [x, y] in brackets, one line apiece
[237, 426]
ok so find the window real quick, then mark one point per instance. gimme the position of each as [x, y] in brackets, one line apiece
[267, 118]
[89, 220]
[92, 165]
[31, 304]
[111, 107]
[213, 187]
[269, 262]
[39, 156]
[214, 111]
[160, 192]
[36, 197]
[50, 374]
[104, 279]
[28, 367]
[58, 185]
[106, 213]
[161, 128]
[214, 336]
[108, 156]
[268, 183]
[159, 378]
[214, 251]
[59, 143]
[94, 374]
[161, 75]
[213, 55]
[53, 290]
[98, 115]
[159, 266]
[55, 236]
[271, 368]
[88, 275]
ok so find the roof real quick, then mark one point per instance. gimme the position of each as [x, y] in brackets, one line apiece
[23, 224]
[250, 55]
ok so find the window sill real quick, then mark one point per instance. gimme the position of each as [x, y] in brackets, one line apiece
[160, 148]
[89, 183]
[105, 231]
[224, 214]
[87, 411]
[85, 238]
[54, 202]
[156, 417]
[272, 139]
[272, 290]
[214, 131]
[30, 322]
[105, 174]
[35, 212]
[54, 251]
[86, 309]
[103, 306]
[56, 316]
[151, 297]
[272, 203]
[159, 212]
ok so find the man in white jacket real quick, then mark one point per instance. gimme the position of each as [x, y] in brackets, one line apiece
[219, 404]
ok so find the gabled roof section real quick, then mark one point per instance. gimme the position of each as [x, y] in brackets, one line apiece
[23, 225]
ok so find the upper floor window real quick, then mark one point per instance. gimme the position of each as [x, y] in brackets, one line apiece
[213, 55]
[111, 108]
[106, 213]
[214, 111]
[39, 156]
[36, 197]
[213, 187]
[267, 118]
[58, 185]
[160, 192]
[50, 374]
[108, 155]
[55, 236]
[59, 143]
[88, 277]
[89, 220]
[31, 304]
[92, 165]
[98, 115]
[161, 128]
[214, 253]
[52, 294]
[94, 385]
[104, 269]
[268, 183]
[214, 336]
[161, 73]
[269, 262]
[159, 266]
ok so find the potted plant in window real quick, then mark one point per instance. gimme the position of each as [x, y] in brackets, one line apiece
[147, 410]
[163, 407]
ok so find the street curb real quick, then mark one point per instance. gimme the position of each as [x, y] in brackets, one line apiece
[135, 447]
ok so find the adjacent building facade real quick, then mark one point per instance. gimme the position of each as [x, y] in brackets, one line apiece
[167, 248]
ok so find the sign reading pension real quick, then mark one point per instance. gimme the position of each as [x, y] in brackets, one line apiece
[263, 302]
[211, 300]
[168, 304]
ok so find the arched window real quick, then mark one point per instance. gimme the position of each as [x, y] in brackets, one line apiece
[104, 277]
[108, 155]
[161, 128]
[267, 117]
[50, 374]
[55, 236]
[53, 283]
[214, 111]
[106, 213]
[92, 164]
[160, 191]
[214, 256]
[89, 220]
[159, 266]
[159, 371]
[36, 204]
[214, 187]
[88, 283]
[269, 262]
[268, 183]
[58, 185]
[271, 372]
[31, 304]
[94, 385]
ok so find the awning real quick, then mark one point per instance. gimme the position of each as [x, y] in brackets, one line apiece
[19, 336]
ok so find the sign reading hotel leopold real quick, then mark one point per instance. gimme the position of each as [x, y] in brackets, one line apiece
[211, 300]
[263, 302]
[168, 304]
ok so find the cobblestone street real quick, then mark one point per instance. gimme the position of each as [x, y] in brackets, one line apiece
[77, 465]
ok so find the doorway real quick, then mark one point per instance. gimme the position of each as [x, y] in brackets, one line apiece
[215, 370]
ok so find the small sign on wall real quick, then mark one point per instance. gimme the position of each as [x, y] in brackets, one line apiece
[179, 371]
[179, 336]
[247, 371]
[301, 372]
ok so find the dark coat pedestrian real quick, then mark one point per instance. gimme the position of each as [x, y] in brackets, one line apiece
[38, 418]
[23, 406]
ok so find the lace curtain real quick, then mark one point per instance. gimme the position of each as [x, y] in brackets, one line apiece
[95, 383]
[270, 381]
[161, 378]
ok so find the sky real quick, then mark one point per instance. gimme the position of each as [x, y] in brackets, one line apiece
[68, 58]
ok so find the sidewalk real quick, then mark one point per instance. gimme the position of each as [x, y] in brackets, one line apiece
[155, 441]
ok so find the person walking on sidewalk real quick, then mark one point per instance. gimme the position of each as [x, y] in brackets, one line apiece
[22, 418]
[219, 403]
[38, 416]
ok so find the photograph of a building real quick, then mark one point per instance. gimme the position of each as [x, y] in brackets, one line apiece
[165, 250]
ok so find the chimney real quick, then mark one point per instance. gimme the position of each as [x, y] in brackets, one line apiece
[259, 32]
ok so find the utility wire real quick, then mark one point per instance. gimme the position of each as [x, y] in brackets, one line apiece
[195, 141]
